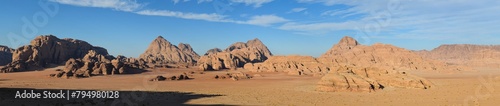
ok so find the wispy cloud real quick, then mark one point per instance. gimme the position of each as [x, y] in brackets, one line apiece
[255, 3]
[201, 1]
[134, 7]
[419, 19]
[260, 20]
[319, 28]
[265, 20]
[195, 16]
[122, 5]
[177, 1]
[295, 10]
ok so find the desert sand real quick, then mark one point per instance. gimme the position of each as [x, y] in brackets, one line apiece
[468, 88]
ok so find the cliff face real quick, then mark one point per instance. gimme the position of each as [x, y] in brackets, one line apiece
[466, 55]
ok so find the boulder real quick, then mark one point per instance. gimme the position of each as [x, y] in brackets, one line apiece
[158, 78]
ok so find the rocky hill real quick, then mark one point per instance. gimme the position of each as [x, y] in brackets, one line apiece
[47, 51]
[80, 58]
[5, 55]
[466, 55]
[359, 68]
[236, 55]
[348, 52]
[161, 51]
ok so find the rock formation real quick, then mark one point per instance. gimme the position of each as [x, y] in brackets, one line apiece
[213, 51]
[346, 79]
[294, 65]
[466, 55]
[5, 55]
[94, 63]
[161, 52]
[46, 51]
[236, 55]
[359, 68]
[348, 52]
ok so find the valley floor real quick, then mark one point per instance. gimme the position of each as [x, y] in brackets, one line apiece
[468, 88]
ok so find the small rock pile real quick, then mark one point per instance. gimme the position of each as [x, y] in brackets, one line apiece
[233, 76]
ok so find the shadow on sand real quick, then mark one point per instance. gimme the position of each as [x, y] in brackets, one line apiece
[126, 98]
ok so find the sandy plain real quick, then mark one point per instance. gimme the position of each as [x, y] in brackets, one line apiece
[465, 88]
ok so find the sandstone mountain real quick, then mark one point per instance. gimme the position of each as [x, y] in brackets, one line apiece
[236, 55]
[359, 68]
[161, 51]
[5, 55]
[466, 55]
[48, 50]
[348, 52]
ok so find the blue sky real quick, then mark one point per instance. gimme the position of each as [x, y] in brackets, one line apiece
[287, 27]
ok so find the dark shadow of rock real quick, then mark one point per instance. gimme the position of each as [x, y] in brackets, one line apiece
[126, 98]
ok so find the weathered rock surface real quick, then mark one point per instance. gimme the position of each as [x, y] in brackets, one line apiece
[48, 50]
[5, 55]
[350, 53]
[294, 65]
[96, 64]
[236, 55]
[161, 51]
[213, 51]
[466, 55]
[359, 68]
[345, 79]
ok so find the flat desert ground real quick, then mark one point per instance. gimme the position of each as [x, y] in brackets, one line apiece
[466, 88]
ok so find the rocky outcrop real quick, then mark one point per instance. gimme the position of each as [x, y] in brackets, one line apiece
[350, 53]
[48, 50]
[97, 64]
[213, 51]
[5, 55]
[359, 68]
[294, 65]
[346, 79]
[466, 55]
[161, 51]
[236, 55]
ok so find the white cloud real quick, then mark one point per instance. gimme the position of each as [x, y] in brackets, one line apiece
[260, 20]
[122, 5]
[413, 19]
[295, 10]
[265, 20]
[319, 28]
[177, 1]
[195, 16]
[255, 3]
